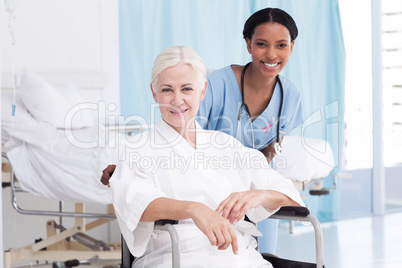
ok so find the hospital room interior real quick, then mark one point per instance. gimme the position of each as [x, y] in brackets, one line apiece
[75, 82]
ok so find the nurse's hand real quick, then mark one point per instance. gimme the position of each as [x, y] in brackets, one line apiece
[238, 204]
[107, 174]
[218, 229]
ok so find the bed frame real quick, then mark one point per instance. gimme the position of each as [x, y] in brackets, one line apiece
[62, 244]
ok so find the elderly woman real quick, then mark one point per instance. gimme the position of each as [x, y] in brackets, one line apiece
[207, 180]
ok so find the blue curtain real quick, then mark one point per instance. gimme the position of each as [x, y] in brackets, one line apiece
[214, 29]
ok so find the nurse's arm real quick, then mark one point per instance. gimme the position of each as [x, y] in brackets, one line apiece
[218, 229]
[269, 151]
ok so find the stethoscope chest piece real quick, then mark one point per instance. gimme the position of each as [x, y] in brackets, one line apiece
[278, 148]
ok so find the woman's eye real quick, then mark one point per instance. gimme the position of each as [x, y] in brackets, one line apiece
[187, 89]
[282, 45]
[260, 44]
[166, 89]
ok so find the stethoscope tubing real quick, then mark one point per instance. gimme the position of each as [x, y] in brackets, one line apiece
[277, 146]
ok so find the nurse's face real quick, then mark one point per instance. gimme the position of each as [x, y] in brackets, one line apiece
[178, 93]
[270, 48]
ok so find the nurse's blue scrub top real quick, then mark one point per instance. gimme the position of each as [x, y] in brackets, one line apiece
[220, 107]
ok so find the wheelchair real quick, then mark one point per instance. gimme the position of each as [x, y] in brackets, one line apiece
[285, 213]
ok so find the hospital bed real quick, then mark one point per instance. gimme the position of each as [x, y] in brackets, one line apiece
[45, 157]
[307, 162]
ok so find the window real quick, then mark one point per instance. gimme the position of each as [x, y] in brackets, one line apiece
[358, 151]
[392, 80]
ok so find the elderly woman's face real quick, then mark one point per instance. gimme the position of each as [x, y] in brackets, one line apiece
[178, 93]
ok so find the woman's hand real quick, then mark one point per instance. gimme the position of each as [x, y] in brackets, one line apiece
[218, 229]
[238, 204]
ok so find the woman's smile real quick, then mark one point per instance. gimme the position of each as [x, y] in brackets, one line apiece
[179, 113]
[271, 66]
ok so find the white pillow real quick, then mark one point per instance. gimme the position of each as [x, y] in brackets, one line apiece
[81, 113]
[21, 116]
[52, 104]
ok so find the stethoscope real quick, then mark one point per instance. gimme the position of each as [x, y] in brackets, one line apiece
[277, 146]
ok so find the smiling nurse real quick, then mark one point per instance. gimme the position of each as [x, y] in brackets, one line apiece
[270, 36]
[250, 112]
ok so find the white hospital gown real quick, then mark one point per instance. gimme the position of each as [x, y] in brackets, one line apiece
[160, 163]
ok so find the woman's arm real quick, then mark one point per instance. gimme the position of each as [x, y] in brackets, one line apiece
[238, 204]
[217, 228]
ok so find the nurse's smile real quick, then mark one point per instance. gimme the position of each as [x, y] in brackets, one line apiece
[271, 65]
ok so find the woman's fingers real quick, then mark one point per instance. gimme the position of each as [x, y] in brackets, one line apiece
[237, 213]
[225, 236]
[211, 237]
[230, 239]
[238, 204]
[235, 245]
[231, 206]
[227, 207]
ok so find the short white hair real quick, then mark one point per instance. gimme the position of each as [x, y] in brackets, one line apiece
[174, 55]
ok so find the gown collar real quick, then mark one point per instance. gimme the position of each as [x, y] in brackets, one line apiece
[172, 137]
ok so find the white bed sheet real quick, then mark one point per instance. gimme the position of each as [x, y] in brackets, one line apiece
[47, 163]
[57, 169]
[305, 159]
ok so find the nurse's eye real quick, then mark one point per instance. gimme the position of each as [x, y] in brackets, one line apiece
[261, 44]
[282, 45]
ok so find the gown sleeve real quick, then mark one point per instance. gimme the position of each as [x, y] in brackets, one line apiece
[264, 177]
[133, 189]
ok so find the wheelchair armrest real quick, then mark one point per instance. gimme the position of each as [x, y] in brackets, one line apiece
[292, 211]
[163, 222]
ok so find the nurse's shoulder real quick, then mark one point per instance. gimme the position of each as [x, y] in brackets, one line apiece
[289, 87]
[221, 79]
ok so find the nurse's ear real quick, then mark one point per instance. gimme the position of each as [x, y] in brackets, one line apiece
[248, 43]
[204, 91]
[292, 44]
[153, 93]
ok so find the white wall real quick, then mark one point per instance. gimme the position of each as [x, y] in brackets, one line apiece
[63, 36]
